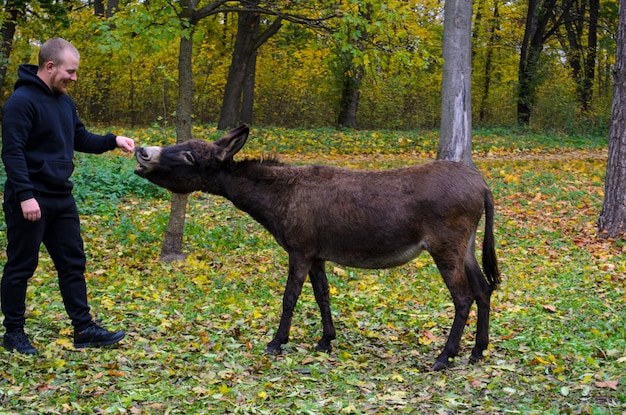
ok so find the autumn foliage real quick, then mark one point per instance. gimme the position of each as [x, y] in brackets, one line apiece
[129, 66]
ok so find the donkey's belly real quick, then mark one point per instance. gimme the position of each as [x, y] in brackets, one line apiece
[380, 259]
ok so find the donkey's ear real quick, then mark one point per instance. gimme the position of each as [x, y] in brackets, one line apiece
[232, 142]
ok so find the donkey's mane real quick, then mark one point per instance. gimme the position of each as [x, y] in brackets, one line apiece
[271, 159]
[268, 167]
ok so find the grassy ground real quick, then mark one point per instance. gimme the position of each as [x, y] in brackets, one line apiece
[196, 330]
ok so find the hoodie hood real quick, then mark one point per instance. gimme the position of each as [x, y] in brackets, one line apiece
[27, 75]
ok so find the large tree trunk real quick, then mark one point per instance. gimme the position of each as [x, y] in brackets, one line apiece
[172, 247]
[612, 220]
[455, 141]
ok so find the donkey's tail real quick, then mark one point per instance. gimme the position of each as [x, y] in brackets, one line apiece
[490, 262]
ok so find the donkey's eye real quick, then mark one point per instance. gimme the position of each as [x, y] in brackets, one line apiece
[189, 158]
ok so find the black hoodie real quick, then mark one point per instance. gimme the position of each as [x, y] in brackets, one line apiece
[40, 131]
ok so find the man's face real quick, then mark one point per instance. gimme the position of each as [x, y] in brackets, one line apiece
[64, 72]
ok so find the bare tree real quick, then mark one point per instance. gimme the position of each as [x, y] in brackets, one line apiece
[612, 220]
[455, 141]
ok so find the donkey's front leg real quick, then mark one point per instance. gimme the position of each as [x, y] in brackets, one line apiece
[298, 269]
[322, 296]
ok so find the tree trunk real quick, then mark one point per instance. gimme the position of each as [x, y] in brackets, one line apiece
[98, 8]
[488, 70]
[247, 102]
[540, 12]
[612, 220]
[8, 31]
[352, 73]
[581, 19]
[112, 6]
[455, 141]
[590, 61]
[247, 29]
[350, 92]
[172, 248]
[248, 42]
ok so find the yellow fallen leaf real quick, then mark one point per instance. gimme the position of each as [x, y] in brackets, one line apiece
[539, 361]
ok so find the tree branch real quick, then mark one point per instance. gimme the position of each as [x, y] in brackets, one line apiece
[245, 6]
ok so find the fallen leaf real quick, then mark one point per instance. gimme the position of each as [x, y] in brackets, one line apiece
[550, 308]
[610, 384]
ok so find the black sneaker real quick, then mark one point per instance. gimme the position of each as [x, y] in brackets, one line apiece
[96, 336]
[17, 340]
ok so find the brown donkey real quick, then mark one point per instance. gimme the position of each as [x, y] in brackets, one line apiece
[362, 219]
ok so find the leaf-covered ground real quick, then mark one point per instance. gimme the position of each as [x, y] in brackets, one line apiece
[196, 330]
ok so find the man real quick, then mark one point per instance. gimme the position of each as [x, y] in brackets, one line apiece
[40, 131]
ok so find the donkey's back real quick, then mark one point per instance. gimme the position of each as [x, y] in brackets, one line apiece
[379, 219]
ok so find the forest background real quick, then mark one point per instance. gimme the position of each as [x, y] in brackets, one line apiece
[312, 58]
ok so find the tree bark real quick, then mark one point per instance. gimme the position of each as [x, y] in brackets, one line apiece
[112, 6]
[612, 220]
[488, 69]
[8, 31]
[247, 101]
[590, 62]
[171, 249]
[98, 8]
[247, 42]
[350, 92]
[247, 28]
[455, 141]
[580, 20]
[540, 13]
[352, 73]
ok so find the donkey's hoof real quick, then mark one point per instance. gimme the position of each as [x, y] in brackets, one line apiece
[273, 349]
[439, 365]
[475, 359]
[324, 348]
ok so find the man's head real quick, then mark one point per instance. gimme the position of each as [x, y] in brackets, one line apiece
[58, 64]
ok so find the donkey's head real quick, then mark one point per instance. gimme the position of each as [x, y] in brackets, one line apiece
[185, 167]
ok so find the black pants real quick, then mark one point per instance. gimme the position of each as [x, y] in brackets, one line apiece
[59, 230]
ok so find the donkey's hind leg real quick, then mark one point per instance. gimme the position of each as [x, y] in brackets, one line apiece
[453, 273]
[317, 274]
[482, 294]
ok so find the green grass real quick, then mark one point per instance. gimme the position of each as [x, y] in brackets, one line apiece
[196, 330]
